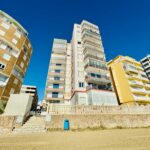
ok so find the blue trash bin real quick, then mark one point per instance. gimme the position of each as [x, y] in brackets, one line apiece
[66, 124]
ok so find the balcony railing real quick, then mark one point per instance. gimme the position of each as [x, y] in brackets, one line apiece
[138, 90]
[141, 98]
[130, 68]
[93, 56]
[91, 40]
[95, 66]
[93, 47]
[98, 80]
[147, 85]
[135, 83]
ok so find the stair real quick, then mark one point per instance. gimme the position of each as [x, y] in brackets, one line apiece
[33, 125]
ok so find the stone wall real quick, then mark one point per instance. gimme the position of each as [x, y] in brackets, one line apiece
[7, 121]
[78, 121]
[83, 109]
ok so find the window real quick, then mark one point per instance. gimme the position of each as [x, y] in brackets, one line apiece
[3, 46]
[79, 42]
[22, 65]
[17, 73]
[58, 71]
[12, 91]
[6, 26]
[3, 80]
[2, 33]
[25, 51]
[18, 34]
[54, 94]
[24, 57]
[15, 81]
[2, 66]
[56, 86]
[81, 84]
[56, 78]
[14, 41]
[58, 64]
[98, 76]
[6, 57]
[92, 75]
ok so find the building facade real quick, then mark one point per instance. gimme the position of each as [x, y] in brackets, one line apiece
[58, 84]
[31, 90]
[15, 54]
[146, 65]
[129, 80]
[85, 69]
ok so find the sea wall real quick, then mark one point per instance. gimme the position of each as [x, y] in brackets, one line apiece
[7, 121]
[83, 121]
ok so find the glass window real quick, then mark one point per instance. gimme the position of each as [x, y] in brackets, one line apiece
[98, 76]
[92, 75]
[56, 78]
[58, 64]
[2, 66]
[3, 80]
[55, 86]
[58, 71]
[81, 84]
[6, 57]
[54, 94]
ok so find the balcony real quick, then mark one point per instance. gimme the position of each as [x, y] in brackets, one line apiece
[144, 79]
[95, 66]
[61, 61]
[140, 68]
[102, 80]
[60, 74]
[136, 83]
[138, 91]
[92, 40]
[51, 80]
[141, 98]
[55, 89]
[90, 34]
[88, 55]
[54, 66]
[147, 85]
[93, 47]
[133, 77]
[148, 92]
[129, 69]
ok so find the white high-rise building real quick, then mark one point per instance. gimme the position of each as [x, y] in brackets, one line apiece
[146, 65]
[85, 79]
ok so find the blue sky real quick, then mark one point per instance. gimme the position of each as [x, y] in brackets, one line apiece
[124, 26]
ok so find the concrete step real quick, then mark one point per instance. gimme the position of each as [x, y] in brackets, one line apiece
[34, 124]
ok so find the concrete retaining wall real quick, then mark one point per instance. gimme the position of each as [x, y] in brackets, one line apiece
[7, 121]
[100, 121]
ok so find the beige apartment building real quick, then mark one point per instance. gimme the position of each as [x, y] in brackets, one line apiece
[15, 54]
[78, 73]
[58, 85]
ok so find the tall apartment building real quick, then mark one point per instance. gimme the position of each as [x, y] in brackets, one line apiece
[130, 81]
[82, 66]
[32, 90]
[146, 65]
[15, 54]
[58, 85]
